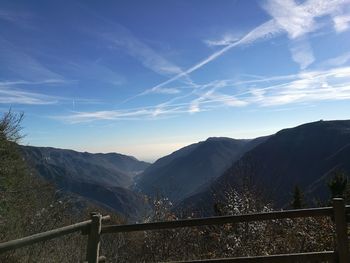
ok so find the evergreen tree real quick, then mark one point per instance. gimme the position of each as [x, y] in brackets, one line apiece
[298, 198]
[338, 184]
[218, 209]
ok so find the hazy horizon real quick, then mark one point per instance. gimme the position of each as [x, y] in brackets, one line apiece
[147, 78]
[163, 148]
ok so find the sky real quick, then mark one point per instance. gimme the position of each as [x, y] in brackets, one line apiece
[145, 78]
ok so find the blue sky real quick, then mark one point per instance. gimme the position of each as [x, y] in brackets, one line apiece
[147, 77]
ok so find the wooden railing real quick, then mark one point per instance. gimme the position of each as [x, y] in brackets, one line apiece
[94, 229]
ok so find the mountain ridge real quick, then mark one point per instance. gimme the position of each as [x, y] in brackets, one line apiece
[305, 155]
[189, 168]
[110, 175]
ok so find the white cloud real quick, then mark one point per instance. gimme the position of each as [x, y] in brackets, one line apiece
[298, 20]
[333, 84]
[307, 86]
[287, 16]
[341, 22]
[226, 39]
[15, 96]
[10, 94]
[151, 112]
[257, 95]
[122, 38]
[81, 117]
[212, 96]
[302, 53]
[304, 87]
[194, 107]
[26, 82]
[294, 19]
[338, 61]
[310, 95]
[265, 30]
[165, 90]
[262, 31]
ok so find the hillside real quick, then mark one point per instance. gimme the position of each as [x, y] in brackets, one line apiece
[103, 178]
[305, 156]
[110, 169]
[193, 167]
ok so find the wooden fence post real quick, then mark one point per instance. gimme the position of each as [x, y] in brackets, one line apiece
[341, 230]
[93, 246]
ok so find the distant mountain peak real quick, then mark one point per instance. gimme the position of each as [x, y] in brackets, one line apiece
[190, 168]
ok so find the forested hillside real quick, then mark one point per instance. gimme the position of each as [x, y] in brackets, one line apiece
[100, 178]
[306, 156]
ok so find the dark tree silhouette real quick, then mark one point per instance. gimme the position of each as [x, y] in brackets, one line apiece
[298, 198]
[337, 185]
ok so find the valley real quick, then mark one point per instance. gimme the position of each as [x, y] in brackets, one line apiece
[197, 176]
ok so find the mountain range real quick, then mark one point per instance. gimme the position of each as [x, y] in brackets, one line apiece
[198, 175]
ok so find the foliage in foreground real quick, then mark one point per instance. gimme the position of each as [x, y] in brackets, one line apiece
[230, 240]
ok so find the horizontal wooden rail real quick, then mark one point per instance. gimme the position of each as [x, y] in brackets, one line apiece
[311, 212]
[100, 259]
[329, 256]
[85, 228]
[25, 241]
